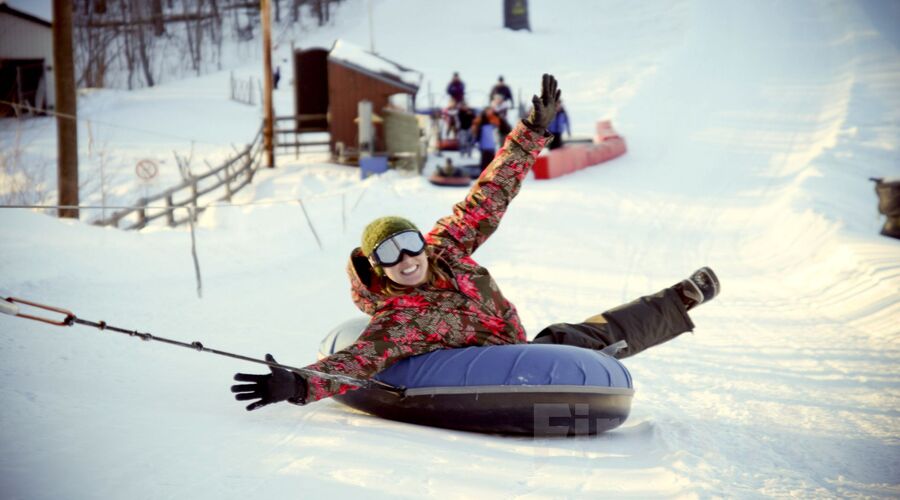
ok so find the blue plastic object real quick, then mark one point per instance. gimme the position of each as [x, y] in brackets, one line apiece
[509, 365]
[534, 389]
[369, 165]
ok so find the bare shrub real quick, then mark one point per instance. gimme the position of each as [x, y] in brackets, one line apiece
[22, 178]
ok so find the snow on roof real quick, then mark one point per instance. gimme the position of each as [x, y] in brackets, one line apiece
[354, 55]
[40, 9]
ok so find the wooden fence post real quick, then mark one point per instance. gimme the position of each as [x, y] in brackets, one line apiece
[194, 192]
[228, 177]
[170, 210]
[142, 213]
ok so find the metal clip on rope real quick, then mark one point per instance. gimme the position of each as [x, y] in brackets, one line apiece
[8, 306]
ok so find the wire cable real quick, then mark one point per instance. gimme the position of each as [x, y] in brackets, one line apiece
[115, 125]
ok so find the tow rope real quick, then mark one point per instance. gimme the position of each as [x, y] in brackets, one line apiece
[10, 306]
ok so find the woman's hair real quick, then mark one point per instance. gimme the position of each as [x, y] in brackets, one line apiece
[435, 273]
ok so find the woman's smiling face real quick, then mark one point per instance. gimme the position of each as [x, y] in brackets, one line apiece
[411, 271]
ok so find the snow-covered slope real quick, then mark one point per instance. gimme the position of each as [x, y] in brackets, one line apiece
[752, 129]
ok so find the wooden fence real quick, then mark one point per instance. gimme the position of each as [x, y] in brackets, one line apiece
[290, 136]
[220, 184]
[242, 90]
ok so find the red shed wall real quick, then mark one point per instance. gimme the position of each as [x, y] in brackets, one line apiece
[346, 87]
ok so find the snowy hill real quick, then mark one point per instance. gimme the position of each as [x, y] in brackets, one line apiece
[752, 130]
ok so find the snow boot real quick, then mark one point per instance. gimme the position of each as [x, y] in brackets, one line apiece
[702, 286]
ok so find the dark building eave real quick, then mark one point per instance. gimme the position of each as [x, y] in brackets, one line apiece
[6, 9]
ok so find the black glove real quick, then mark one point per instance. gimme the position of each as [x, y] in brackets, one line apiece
[544, 107]
[278, 386]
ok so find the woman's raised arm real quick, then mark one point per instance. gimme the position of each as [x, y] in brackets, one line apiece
[477, 217]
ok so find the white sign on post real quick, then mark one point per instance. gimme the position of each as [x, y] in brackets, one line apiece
[146, 170]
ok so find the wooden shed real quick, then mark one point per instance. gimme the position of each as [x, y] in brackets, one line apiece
[311, 90]
[26, 56]
[350, 74]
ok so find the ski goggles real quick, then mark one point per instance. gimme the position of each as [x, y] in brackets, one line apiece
[390, 251]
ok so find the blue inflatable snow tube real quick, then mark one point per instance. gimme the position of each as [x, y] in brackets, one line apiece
[535, 389]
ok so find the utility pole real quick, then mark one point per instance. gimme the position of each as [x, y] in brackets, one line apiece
[268, 124]
[371, 30]
[66, 108]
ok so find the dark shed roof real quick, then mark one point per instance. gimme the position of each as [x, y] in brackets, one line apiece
[8, 9]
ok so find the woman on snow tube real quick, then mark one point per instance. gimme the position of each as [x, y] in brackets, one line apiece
[425, 292]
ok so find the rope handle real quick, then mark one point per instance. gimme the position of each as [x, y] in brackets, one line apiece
[9, 306]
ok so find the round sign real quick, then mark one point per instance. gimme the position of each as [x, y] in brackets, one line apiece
[146, 169]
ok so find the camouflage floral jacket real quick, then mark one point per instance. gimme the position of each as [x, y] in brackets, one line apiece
[466, 310]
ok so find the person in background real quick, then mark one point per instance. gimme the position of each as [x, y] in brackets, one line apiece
[489, 129]
[500, 107]
[502, 89]
[485, 133]
[276, 76]
[494, 115]
[449, 170]
[450, 115]
[465, 117]
[559, 125]
[456, 89]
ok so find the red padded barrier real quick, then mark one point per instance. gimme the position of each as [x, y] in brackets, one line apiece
[567, 159]
[541, 167]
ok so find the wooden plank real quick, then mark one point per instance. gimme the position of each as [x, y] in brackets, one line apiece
[300, 144]
[301, 118]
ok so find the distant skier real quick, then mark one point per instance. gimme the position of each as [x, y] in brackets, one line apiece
[450, 116]
[425, 292]
[488, 130]
[558, 126]
[465, 116]
[495, 116]
[502, 89]
[485, 133]
[456, 89]
[276, 77]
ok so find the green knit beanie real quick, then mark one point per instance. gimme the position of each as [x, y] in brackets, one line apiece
[381, 228]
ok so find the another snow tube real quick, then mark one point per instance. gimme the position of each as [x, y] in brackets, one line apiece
[534, 389]
[449, 180]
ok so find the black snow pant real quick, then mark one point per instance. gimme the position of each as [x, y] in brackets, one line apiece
[487, 156]
[642, 323]
[557, 141]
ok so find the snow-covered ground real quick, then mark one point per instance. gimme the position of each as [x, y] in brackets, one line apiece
[752, 130]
